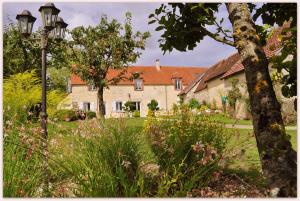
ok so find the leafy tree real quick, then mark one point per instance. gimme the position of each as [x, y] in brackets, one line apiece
[103, 47]
[185, 25]
[274, 13]
[194, 103]
[58, 78]
[234, 94]
[21, 54]
[153, 105]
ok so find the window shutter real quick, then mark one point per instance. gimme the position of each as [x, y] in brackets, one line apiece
[81, 105]
[93, 107]
[114, 106]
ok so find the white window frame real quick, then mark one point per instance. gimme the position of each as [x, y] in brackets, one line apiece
[86, 106]
[119, 106]
[136, 86]
[178, 83]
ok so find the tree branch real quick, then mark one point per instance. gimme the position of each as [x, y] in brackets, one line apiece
[221, 29]
[214, 36]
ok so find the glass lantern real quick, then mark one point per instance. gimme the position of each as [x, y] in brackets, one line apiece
[49, 15]
[25, 22]
[60, 27]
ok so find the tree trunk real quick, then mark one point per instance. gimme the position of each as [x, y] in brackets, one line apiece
[101, 107]
[278, 159]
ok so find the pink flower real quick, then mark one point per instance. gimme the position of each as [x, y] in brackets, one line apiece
[198, 147]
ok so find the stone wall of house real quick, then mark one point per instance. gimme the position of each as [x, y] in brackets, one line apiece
[241, 106]
[215, 89]
[166, 95]
[202, 96]
[190, 95]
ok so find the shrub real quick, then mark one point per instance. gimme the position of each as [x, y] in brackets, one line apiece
[153, 105]
[188, 149]
[65, 115]
[203, 108]
[175, 108]
[22, 91]
[194, 103]
[136, 113]
[91, 114]
[128, 106]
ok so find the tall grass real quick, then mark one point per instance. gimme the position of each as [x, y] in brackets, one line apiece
[107, 161]
[22, 160]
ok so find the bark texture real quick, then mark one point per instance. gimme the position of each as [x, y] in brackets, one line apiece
[278, 159]
[101, 109]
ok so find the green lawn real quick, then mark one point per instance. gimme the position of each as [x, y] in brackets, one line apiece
[227, 120]
[243, 141]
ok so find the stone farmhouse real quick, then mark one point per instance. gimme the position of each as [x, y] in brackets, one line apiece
[216, 82]
[162, 83]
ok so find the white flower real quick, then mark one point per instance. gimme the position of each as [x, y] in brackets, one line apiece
[126, 163]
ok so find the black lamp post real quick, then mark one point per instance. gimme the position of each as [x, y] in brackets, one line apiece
[51, 21]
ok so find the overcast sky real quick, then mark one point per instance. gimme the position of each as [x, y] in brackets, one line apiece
[207, 53]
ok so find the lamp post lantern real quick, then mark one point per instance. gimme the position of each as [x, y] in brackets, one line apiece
[51, 21]
[25, 22]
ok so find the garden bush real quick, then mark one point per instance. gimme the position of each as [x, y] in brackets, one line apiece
[153, 105]
[194, 103]
[65, 115]
[136, 113]
[189, 149]
[22, 91]
[90, 114]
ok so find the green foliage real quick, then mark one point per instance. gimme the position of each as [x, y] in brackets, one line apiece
[22, 159]
[59, 78]
[108, 45]
[23, 90]
[184, 24]
[65, 115]
[109, 161]
[175, 108]
[136, 113]
[129, 106]
[153, 105]
[103, 47]
[91, 114]
[188, 149]
[24, 54]
[280, 13]
[234, 94]
[194, 103]
[214, 104]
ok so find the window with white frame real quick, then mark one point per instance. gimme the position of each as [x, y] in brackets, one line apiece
[92, 87]
[118, 106]
[86, 106]
[177, 84]
[138, 84]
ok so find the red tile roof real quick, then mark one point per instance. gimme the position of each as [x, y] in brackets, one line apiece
[151, 76]
[233, 65]
[216, 70]
[271, 48]
[191, 85]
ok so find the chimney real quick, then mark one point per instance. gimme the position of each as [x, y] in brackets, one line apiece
[157, 65]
